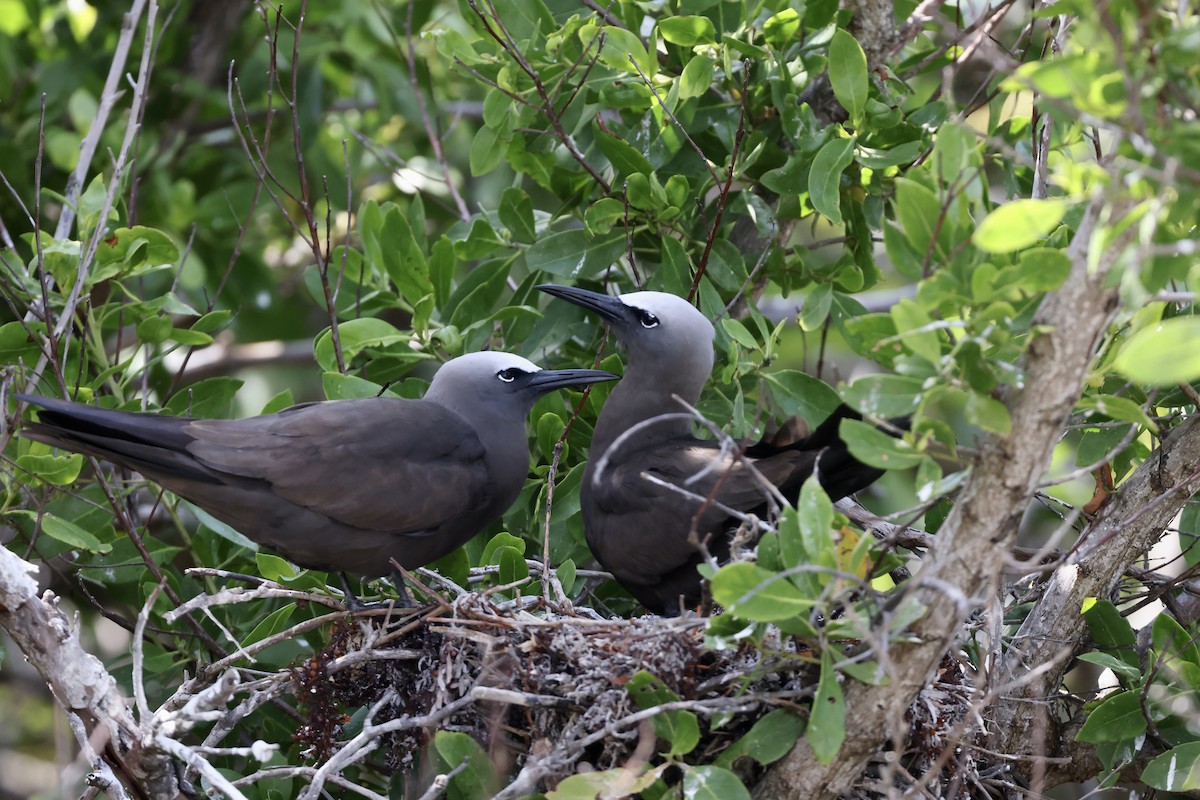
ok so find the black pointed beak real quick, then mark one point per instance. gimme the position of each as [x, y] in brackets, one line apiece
[609, 307]
[547, 380]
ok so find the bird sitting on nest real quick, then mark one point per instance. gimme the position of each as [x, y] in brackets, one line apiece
[643, 532]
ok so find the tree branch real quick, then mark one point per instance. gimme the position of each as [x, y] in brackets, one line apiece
[79, 681]
[976, 536]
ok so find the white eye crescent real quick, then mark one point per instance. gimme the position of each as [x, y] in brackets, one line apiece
[508, 375]
[648, 320]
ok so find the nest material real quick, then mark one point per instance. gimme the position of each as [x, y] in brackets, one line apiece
[544, 686]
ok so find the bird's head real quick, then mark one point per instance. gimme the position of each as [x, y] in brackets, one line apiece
[663, 333]
[501, 384]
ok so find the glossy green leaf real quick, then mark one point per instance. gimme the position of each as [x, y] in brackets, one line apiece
[516, 212]
[478, 779]
[1118, 717]
[914, 326]
[827, 723]
[919, 211]
[687, 31]
[885, 396]
[751, 592]
[69, 533]
[1018, 224]
[696, 78]
[824, 179]
[1164, 354]
[874, 447]
[799, 393]
[274, 568]
[60, 470]
[680, 728]
[848, 72]
[573, 254]
[769, 740]
[1177, 770]
[712, 783]
[616, 782]
[271, 624]
[988, 413]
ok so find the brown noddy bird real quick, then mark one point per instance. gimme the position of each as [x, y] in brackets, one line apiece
[341, 485]
[639, 530]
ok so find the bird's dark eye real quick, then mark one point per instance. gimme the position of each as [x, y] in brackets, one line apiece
[648, 320]
[509, 375]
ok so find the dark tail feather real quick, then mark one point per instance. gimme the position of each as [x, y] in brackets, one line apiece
[150, 443]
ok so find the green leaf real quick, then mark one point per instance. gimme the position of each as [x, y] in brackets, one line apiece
[154, 330]
[355, 336]
[512, 565]
[780, 29]
[1117, 408]
[848, 72]
[816, 307]
[798, 393]
[478, 779]
[488, 149]
[279, 402]
[207, 399]
[498, 541]
[1019, 224]
[680, 728]
[919, 211]
[712, 783]
[566, 575]
[220, 528]
[1127, 672]
[549, 429]
[1110, 630]
[913, 327]
[827, 723]
[620, 45]
[1118, 717]
[875, 448]
[1162, 355]
[272, 624]
[824, 179]
[1171, 643]
[516, 212]
[696, 78]
[603, 214]
[738, 332]
[626, 159]
[1177, 770]
[67, 532]
[274, 568]
[1043, 269]
[574, 254]
[769, 740]
[616, 782]
[815, 513]
[348, 387]
[687, 31]
[751, 592]
[988, 413]
[58, 470]
[885, 396]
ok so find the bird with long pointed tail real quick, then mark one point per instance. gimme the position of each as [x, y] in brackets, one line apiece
[643, 532]
[342, 485]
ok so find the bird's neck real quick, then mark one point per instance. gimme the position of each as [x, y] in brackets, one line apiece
[642, 395]
[503, 435]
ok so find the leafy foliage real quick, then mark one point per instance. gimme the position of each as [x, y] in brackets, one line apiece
[390, 181]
